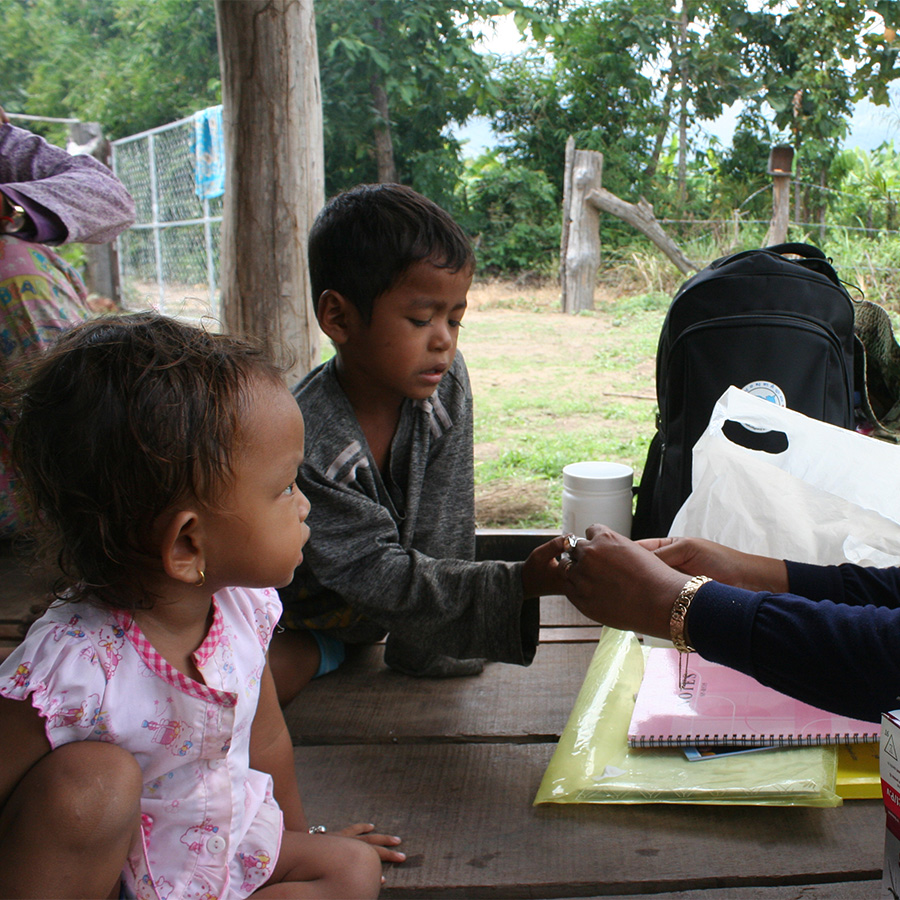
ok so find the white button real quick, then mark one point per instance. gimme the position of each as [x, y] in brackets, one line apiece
[216, 844]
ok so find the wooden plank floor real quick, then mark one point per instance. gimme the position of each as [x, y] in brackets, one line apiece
[453, 766]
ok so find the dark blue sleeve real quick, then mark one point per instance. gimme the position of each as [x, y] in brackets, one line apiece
[847, 583]
[841, 656]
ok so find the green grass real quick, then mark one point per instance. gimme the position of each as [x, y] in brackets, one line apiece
[553, 389]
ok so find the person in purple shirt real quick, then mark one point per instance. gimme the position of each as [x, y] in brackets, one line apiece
[47, 197]
[826, 635]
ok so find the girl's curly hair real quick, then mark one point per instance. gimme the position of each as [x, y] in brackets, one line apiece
[119, 420]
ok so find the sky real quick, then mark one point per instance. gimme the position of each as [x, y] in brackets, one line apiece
[870, 126]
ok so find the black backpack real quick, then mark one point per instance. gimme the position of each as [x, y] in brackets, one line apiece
[780, 328]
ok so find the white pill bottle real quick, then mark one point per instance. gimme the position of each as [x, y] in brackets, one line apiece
[597, 493]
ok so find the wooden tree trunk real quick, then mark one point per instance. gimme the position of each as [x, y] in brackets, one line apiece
[275, 173]
[581, 240]
[682, 106]
[384, 142]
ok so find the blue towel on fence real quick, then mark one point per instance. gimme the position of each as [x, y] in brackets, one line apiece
[209, 152]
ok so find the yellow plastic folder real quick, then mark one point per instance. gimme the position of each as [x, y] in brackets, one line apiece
[593, 763]
[858, 775]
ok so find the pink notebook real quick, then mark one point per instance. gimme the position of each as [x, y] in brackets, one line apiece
[719, 706]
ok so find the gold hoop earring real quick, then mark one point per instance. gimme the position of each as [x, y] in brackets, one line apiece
[201, 580]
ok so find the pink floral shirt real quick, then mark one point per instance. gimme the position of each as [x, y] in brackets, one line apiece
[210, 826]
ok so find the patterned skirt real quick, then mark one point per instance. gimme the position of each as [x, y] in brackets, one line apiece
[40, 296]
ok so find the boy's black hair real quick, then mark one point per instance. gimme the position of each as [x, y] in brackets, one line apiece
[118, 421]
[365, 239]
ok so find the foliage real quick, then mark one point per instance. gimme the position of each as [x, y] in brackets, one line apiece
[870, 187]
[423, 57]
[635, 79]
[812, 62]
[618, 75]
[513, 214]
[613, 74]
[127, 64]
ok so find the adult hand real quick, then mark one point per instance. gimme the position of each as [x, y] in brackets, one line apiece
[695, 556]
[381, 842]
[542, 574]
[620, 583]
[4, 118]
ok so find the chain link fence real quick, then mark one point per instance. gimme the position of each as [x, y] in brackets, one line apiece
[168, 260]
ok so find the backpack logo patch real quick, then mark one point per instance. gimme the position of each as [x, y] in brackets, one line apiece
[765, 390]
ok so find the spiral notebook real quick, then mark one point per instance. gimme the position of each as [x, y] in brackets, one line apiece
[717, 706]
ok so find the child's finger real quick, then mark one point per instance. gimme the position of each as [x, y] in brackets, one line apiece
[549, 551]
[381, 840]
[387, 855]
[356, 829]
[365, 831]
[383, 844]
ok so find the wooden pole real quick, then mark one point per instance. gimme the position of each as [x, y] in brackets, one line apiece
[272, 118]
[582, 254]
[781, 198]
[640, 215]
[566, 215]
[781, 159]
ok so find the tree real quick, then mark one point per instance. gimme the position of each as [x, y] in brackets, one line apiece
[273, 145]
[623, 76]
[513, 214]
[128, 64]
[812, 63]
[620, 72]
[395, 75]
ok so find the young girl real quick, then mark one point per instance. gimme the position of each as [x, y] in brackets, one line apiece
[142, 747]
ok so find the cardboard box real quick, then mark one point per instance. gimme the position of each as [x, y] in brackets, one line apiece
[889, 769]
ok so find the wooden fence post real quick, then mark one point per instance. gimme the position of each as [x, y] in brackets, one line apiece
[566, 213]
[581, 228]
[780, 160]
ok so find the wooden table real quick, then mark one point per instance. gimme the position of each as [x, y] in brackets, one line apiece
[453, 766]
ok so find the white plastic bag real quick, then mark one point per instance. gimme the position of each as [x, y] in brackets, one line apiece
[832, 496]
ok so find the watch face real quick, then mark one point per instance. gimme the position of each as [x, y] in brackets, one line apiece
[13, 222]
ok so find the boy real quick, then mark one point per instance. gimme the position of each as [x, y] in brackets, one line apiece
[389, 467]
